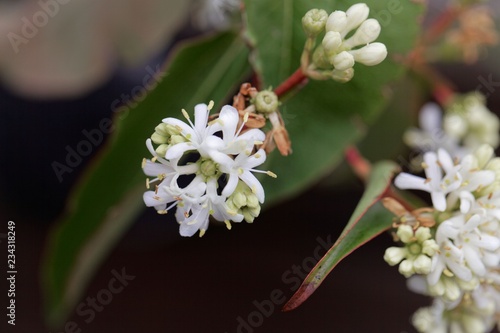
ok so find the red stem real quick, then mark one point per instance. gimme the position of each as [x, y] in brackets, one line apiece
[294, 80]
[439, 26]
[358, 163]
[362, 168]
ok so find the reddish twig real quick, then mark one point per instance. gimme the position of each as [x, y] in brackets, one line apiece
[296, 79]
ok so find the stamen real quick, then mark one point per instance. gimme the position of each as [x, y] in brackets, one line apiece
[228, 224]
[272, 174]
[163, 212]
[186, 115]
[144, 161]
[202, 232]
[210, 105]
[147, 183]
[154, 159]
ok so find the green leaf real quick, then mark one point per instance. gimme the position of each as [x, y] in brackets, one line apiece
[369, 219]
[324, 117]
[110, 194]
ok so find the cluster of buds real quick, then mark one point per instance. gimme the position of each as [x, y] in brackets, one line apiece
[462, 127]
[451, 250]
[335, 57]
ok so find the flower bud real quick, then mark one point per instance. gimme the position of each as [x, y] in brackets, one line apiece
[422, 264]
[371, 54]
[252, 201]
[366, 33]
[430, 247]
[320, 59]
[162, 129]
[175, 139]
[331, 42]
[455, 125]
[343, 76]
[422, 234]
[314, 22]
[337, 21]
[473, 323]
[394, 255]
[266, 102]
[239, 199]
[162, 150]
[356, 14]
[158, 138]
[405, 233]
[406, 268]
[342, 61]
[451, 290]
[483, 154]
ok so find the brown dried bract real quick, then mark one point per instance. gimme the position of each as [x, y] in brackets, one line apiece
[421, 217]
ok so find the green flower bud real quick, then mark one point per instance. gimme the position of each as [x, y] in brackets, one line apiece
[159, 139]
[162, 129]
[266, 102]
[239, 199]
[162, 150]
[175, 139]
[319, 58]
[247, 216]
[314, 22]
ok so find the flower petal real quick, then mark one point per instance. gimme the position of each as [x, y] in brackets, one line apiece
[406, 181]
[248, 178]
[176, 151]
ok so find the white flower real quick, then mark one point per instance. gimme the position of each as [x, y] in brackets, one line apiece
[466, 318]
[465, 250]
[431, 136]
[470, 121]
[224, 155]
[435, 183]
[460, 182]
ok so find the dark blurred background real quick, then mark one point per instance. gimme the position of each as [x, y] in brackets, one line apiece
[210, 284]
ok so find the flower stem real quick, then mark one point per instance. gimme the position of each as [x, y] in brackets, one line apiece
[296, 79]
[443, 22]
[360, 166]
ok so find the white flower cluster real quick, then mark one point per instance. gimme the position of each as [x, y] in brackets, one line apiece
[215, 159]
[338, 53]
[466, 124]
[455, 256]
